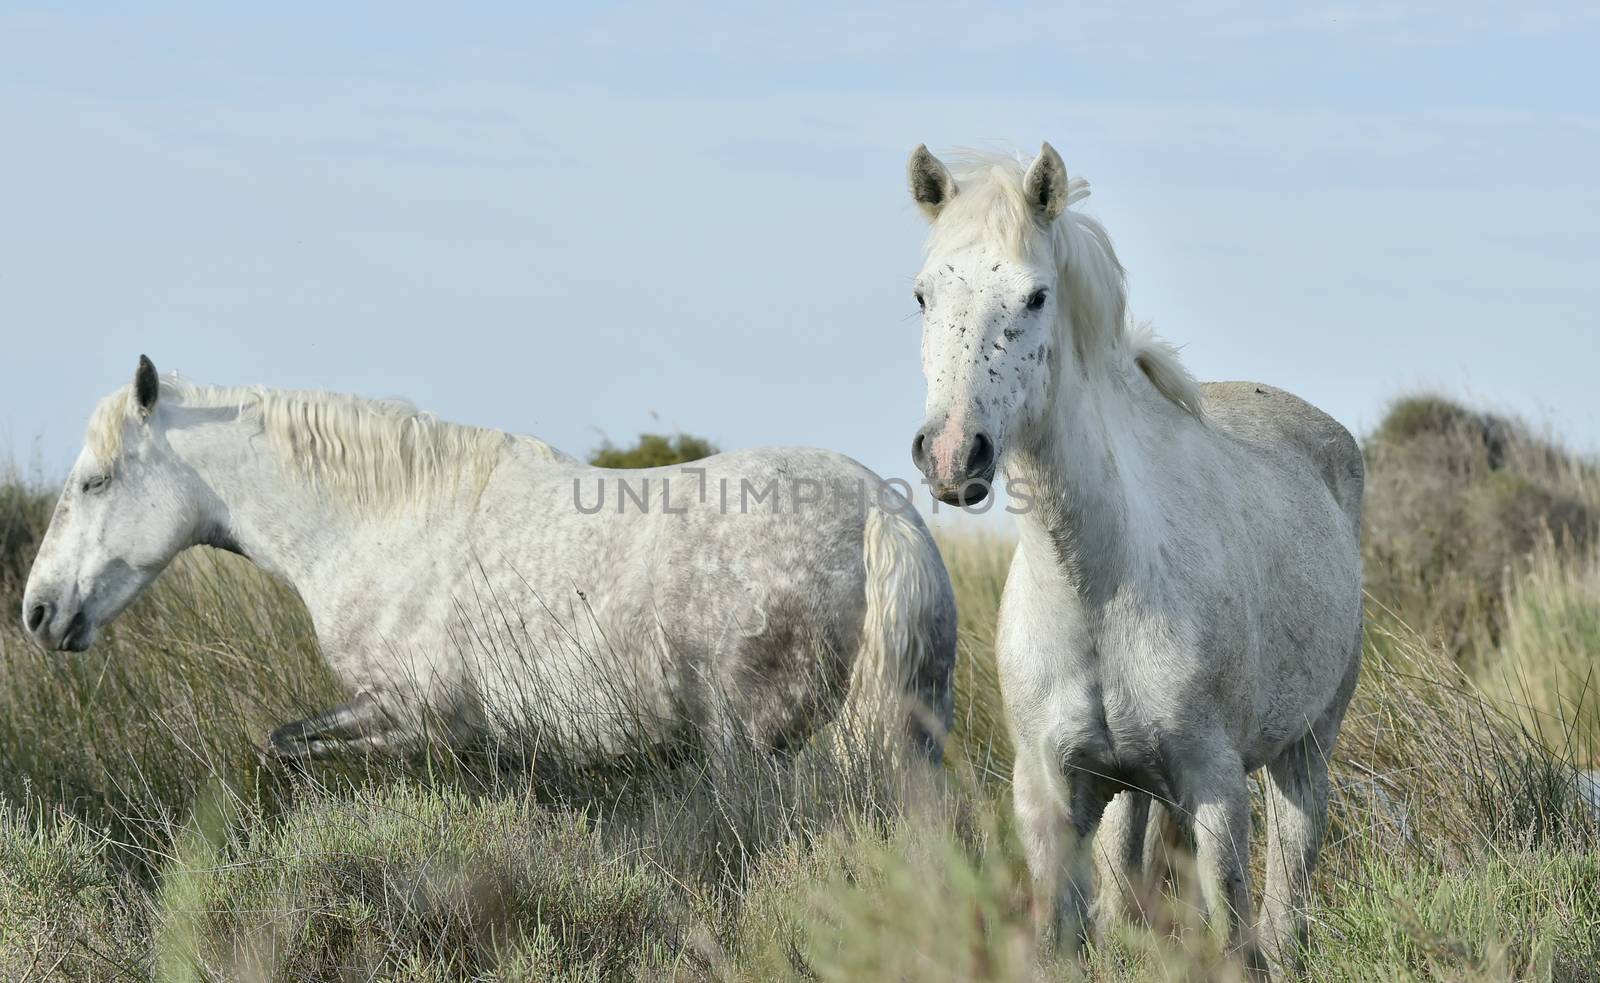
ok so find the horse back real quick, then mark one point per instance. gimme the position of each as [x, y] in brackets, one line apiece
[1265, 416]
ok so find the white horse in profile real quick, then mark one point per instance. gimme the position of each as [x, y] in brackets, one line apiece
[1185, 602]
[479, 580]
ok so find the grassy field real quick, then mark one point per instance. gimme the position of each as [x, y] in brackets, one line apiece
[141, 837]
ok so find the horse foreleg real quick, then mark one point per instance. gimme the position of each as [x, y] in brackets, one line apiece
[365, 723]
[1057, 813]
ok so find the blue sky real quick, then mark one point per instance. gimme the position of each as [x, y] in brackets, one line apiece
[611, 218]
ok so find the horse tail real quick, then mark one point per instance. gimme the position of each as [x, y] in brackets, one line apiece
[904, 669]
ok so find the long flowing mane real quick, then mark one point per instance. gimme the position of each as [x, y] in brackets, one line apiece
[373, 454]
[992, 206]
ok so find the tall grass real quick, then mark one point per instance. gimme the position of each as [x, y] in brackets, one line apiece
[978, 563]
[63, 913]
[178, 694]
[143, 837]
[1548, 666]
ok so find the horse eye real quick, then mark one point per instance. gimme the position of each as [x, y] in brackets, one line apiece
[1036, 300]
[95, 484]
[921, 301]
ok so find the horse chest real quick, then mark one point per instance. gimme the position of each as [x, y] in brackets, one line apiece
[1100, 726]
[1106, 692]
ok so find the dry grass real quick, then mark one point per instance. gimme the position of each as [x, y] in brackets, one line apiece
[143, 839]
[978, 563]
[1548, 666]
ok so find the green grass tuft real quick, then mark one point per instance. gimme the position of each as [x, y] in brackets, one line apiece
[62, 915]
[404, 876]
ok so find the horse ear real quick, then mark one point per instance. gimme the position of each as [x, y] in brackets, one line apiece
[931, 184]
[146, 387]
[1045, 184]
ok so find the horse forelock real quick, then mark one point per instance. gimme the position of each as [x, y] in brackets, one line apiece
[992, 206]
[106, 424]
[373, 454]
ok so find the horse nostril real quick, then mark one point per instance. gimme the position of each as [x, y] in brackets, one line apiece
[980, 459]
[38, 615]
[919, 450]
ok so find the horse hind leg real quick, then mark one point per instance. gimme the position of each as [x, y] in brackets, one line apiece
[1218, 799]
[1124, 881]
[1297, 817]
[1168, 848]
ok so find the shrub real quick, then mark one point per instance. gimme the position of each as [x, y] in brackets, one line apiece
[61, 916]
[1425, 416]
[916, 903]
[410, 880]
[1457, 501]
[653, 451]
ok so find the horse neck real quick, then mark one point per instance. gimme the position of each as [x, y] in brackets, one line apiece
[257, 508]
[1088, 468]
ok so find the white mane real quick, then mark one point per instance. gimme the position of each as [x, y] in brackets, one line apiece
[372, 454]
[991, 206]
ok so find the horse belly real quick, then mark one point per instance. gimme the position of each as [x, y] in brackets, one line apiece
[536, 659]
[568, 702]
[1311, 631]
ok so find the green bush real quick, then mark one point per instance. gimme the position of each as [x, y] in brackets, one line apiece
[1424, 416]
[1523, 915]
[915, 903]
[925, 903]
[653, 451]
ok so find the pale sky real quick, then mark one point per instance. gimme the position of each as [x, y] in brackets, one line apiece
[615, 218]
